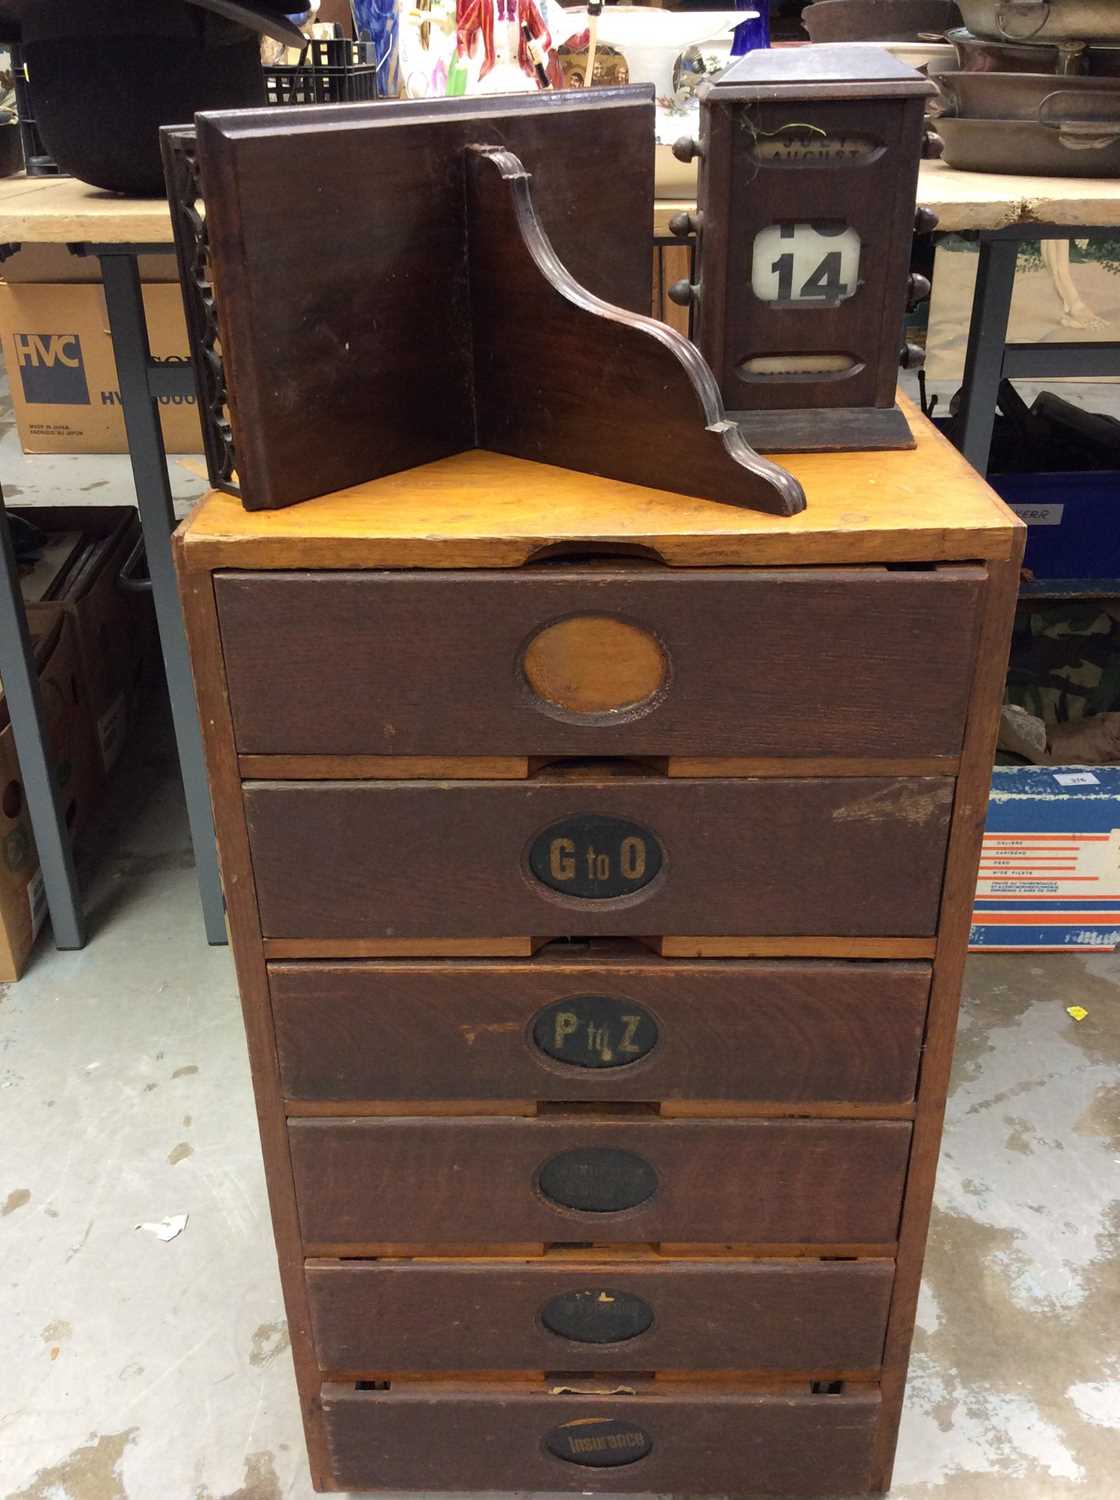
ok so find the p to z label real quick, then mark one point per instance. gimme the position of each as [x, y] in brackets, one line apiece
[595, 1031]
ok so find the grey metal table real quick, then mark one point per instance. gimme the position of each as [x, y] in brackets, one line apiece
[991, 359]
[117, 231]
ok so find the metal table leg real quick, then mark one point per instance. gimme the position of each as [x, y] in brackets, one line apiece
[987, 337]
[139, 379]
[25, 709]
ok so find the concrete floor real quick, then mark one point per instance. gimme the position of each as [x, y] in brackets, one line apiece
[140, 1370]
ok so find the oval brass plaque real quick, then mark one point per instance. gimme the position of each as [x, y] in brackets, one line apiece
[599, 1442]
[594, 664]
[595, 1031]
[597, 1315]
[597, 1180]
[595, 857]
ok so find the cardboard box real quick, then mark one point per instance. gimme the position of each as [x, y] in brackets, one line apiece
[1050, 864]
[114, 630]
[63, 376]
[46, 263]
[73, 753]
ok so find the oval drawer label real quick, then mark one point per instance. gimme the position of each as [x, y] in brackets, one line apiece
[599, 1442]
[597, 1315]
[595, 857]
[598, 1180]
[595, 1031]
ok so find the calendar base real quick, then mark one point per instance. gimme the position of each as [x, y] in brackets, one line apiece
[834, 429]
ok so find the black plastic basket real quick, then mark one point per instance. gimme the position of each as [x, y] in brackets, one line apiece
[328, 72]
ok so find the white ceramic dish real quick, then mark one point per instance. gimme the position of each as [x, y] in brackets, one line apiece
[650, 40]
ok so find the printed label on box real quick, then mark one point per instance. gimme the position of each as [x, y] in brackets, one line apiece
[111, 730]
[52, 369]
[1076, 778]
[37, 901]
[1040, 515]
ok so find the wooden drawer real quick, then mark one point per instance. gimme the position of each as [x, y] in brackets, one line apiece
[681, 1440]
[555, 1179]
[601, 1024]
[627, 661]
[814, 1318]
[633, 856]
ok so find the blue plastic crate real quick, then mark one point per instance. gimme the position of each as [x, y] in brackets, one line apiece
[1074, 522]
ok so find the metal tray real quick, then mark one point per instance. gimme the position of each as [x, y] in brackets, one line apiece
[1027, 148]
[1013, 96]
[1043, 20]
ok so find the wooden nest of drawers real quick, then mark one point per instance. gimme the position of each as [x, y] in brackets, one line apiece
[599, 866]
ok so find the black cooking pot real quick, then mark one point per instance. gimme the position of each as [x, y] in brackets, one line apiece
[104, 76]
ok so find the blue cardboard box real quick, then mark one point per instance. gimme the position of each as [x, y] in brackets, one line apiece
[1073, 522]
[1050, 861]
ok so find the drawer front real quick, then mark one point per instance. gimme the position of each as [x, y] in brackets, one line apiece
[414, 1437]
[621, 1029]
[629, 857]
[502, 1180]
[793, 662]
[745, 1316]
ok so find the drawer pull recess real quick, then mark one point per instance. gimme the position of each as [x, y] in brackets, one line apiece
[597, 1315]
[599, 1442]
[595, 857]
[597, 1180]
[595, 1031]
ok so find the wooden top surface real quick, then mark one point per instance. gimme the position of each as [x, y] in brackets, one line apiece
[61, 210]
[987, 200]
[481, 509]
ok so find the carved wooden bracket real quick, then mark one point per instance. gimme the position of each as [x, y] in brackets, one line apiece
[563, 377]
[395, 283]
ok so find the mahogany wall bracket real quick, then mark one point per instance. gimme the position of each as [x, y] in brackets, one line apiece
[441, 278]
[564, 377]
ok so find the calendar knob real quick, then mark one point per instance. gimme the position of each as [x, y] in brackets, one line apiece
[686, 149]
[683, 293]
[918, 289]
[912, 357]
[684, 224]
[925, 221]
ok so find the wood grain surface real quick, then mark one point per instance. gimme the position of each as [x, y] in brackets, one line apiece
[748, 1031]
[762, 1316]
[763, 1181]
[798, 662]
[441, 860]
[348, 339]
[486, 510]
[704, 1442]
[952, 944]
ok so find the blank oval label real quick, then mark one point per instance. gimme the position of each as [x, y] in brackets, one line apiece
[594, 857]
[598, 1180]
[597, 1315]
[589, 665]
[595, 1031]
[599, 1442]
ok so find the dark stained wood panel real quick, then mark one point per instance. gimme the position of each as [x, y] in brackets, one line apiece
[347, 336]
[747, 1315]
[848, 857]
[791, 662]
[450, 1181]
[750, 1030]
[494, 1437]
